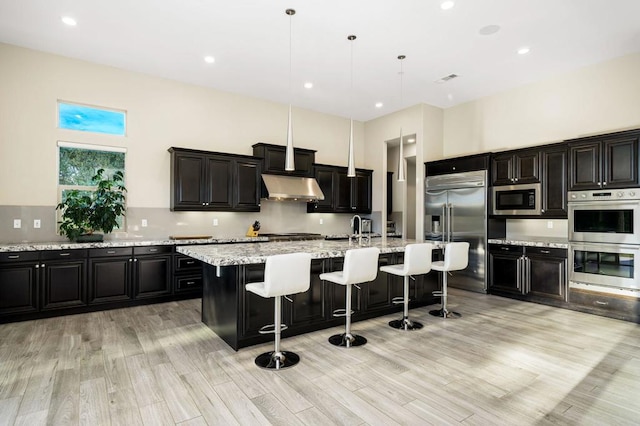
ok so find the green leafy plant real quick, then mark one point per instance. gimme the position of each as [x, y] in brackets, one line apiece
[84, 212]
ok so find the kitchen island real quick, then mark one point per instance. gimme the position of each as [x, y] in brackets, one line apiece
[237, 315]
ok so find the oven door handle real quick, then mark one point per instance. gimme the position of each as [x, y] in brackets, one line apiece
[602, 247]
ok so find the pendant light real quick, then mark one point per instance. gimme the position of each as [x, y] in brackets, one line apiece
[351, 167]
[401, 176]
[289, 164]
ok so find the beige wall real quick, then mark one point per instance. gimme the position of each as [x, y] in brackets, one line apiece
[596, 99]
[160, 114]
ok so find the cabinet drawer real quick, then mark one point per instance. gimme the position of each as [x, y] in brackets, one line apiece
[544, 251]
[152, 250]
[504, 248]
[186, 263]
[186, 283]
[63, 254]
[106, 252]
[625, 305]
[22, 256]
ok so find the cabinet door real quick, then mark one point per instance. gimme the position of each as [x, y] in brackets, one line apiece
[188, 178]
[554, 183]
[504, 272]
[343, 193]
[110, 279]
[152, 275]
[257, 311]
[338, 292]
[620, 166]
[389, 194]
[502, 170]
[584, 166]
[325, 176]
[246, 186]
[547, 277]
[361, 192]
[63, 284]
[527, 167]
[311, 306]
[219, 181]
[19, 287]
[378, 291]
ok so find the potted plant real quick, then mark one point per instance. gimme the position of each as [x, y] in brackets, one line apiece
[85, 212]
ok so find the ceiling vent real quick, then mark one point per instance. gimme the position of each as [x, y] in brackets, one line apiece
[447, 78]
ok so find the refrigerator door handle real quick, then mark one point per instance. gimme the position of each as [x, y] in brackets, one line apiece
[450, 221]
[445, 224]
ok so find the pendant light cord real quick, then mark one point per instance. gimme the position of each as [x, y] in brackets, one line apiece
[290, 55]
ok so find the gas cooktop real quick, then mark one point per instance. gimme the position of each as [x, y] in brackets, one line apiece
[292, 236]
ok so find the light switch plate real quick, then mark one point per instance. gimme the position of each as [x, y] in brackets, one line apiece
[17, 223]
[36, 223]
[144, 223]
[549, 224]
[321, 221]
[215, 222]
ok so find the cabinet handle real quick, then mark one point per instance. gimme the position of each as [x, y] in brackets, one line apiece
[191, 282]
[130, 260]
[604, 183]
[190, 262]
[541, 210]
[152, 250]
[42, 266]
[515, 179]
[111, 251]
[37, 266]
[14, 256]
[65, 254]
[505, 248]
[135, 260]
[598, 302]
[545, 251]
[599, 183]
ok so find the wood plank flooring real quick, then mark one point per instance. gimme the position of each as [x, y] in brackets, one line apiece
[504, 362]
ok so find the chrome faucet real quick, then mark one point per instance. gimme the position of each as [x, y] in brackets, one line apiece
[353, 219]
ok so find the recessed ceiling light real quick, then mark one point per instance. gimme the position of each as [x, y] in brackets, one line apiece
[446, 5]
[308, 85]
[489, 29]
[450, 96]
[68, 20]
[523, 50]
[379, 104]
[209, 59]
[411, 140]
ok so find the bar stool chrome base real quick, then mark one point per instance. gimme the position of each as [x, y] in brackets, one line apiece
[405, 324]
[277, 361]
[347, 341]
[444, 313]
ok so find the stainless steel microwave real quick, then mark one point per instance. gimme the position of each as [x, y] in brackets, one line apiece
[516, 200]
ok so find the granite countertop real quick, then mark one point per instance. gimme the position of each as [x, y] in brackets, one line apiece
[66, 245]
[532, 241]
[244, 254]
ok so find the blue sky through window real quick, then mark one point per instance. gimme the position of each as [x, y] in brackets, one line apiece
[88, 119]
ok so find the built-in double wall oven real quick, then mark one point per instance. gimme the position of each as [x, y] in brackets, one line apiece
[604, 240]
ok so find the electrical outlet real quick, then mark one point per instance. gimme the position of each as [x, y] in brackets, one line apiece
[17, 223]
[144, 223]
[36, 223]
[321, 221]
[215, 222]
[550, 224]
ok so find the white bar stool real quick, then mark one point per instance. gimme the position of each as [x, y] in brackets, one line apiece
[283, 274]
[360, 266]
[417, 261]
[456, 258]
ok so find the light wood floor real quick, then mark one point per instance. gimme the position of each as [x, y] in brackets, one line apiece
[503, 362]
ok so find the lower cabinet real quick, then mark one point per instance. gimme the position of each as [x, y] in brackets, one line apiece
[534, 273]
[152, 271]
[63, 279]
[19, 280]
[187, 275]
[110, 275]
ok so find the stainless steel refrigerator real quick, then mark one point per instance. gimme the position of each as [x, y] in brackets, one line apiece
[456, 210]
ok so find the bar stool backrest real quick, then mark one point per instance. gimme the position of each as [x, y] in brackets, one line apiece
[417, 258]
[360, 265]
[287, 274]
[456, 256]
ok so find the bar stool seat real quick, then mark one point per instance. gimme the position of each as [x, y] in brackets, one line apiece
[360, 266]
[417, 261]
[456, 258]
[283, 274]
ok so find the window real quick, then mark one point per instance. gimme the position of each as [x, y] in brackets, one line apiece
[78, 163]
[91, 119]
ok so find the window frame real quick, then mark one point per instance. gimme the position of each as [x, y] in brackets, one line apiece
[97, 107]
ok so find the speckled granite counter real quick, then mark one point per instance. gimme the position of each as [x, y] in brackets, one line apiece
[65, 245]
[532, 241]
[245, 254]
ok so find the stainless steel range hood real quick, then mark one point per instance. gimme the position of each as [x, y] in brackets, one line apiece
[292, 188]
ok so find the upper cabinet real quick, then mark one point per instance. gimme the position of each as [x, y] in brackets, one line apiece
[605, 161]
[553, 159]
[342, 194]
[467, 163]
[210, 181]
[273, 157]
[515, 167]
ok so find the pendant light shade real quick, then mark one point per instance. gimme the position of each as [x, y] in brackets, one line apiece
[289, 163]
[401, 174]
[351, 167]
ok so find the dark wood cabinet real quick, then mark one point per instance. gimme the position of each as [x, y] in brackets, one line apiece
[468, 163]
[515, 167]
[273, 159]
[152, 271]
[554, 181]
[110, 274]
[63, 279]
[209, 181]
[342, 194]
[389, 194]
[547, 269]
[605, 161]
[505, 269]
[19, 279]
[187, 276]
[311, 307]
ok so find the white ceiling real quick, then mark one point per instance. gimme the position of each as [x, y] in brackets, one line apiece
[250, 42]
